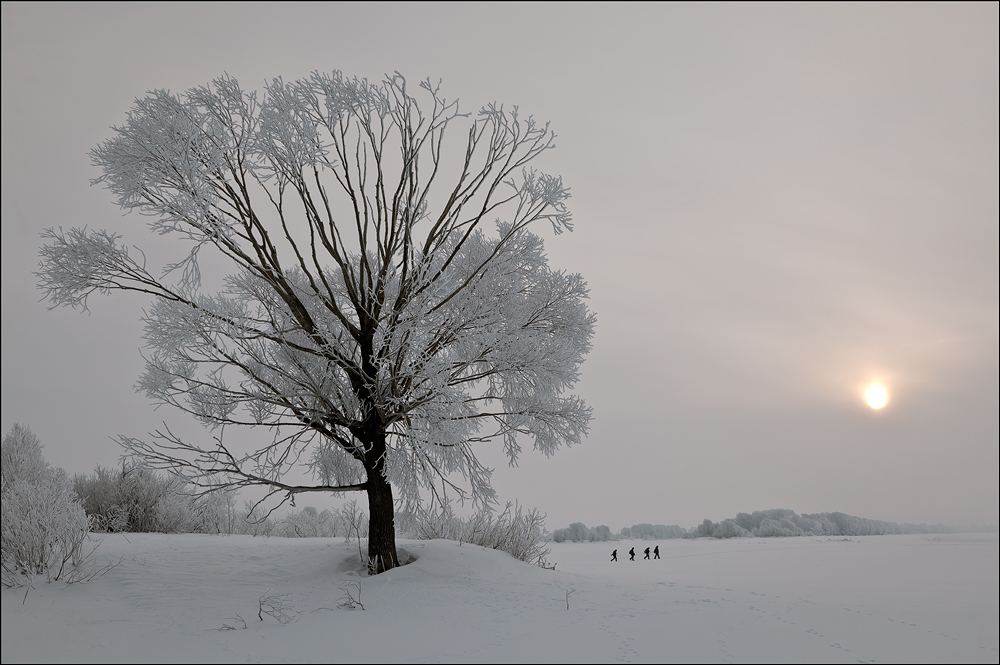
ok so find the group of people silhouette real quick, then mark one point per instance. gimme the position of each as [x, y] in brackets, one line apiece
[631, 554]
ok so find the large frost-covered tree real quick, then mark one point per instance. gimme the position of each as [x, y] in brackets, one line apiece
[386, 306]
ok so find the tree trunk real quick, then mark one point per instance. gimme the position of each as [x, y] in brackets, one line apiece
[381, 525]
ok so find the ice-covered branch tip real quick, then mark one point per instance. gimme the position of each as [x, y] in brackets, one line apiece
[76, 263]
[545, 194]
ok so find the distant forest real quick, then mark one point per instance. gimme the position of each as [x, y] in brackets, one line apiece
[759, 524]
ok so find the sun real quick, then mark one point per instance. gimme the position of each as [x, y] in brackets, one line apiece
[876, 397]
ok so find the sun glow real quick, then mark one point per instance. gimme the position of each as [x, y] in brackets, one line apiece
[876, 396]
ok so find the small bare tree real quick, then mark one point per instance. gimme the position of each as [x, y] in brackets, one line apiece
[386, 309]
[354, 519]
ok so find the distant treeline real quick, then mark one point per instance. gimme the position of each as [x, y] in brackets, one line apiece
[759, 524]
[578, 532]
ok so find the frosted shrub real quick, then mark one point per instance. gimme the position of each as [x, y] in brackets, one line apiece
[254, 522]
[520, 534]
[601, 533]
[730, 529]
[579, 532]
[137, 499]
[703, 530]
[43, 526]
[770, 528]
[654, 532]
[215, 512]
[309, 523]
[428, 524]
[21, 457]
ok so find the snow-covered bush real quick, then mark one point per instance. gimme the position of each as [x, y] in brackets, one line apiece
[216, 512]
[518, 533]
[521, 534]
[704, 530]
[429, 524]
[773, 528]
[600, 533]
[653, 531]
[135, 499]
[253, 521]
[729, 529]
[576, 532]
[43, 525]
[310, 523]
[21, 457]
[580, 532]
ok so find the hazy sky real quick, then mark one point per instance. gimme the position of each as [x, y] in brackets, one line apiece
[775, 205]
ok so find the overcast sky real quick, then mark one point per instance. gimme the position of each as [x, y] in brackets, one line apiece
[775, 206]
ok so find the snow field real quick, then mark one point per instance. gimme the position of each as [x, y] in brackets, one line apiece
[869, 599]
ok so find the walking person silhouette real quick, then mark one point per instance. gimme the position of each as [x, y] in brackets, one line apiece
[614, 555]
[656, 552]
[631, 554]
[647, 553]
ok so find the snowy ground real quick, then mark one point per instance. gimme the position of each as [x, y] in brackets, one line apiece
[870, 599]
